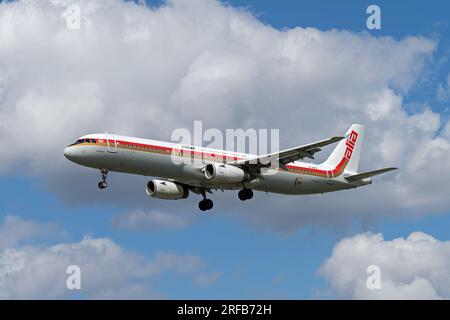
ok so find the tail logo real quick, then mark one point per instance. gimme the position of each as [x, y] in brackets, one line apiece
[351, 141]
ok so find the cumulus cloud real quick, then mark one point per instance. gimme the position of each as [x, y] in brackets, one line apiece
[207, 279]
[412, 268]
[154, 220]
[15, 230]
[107, 270]
[443, 91]
[144, 71]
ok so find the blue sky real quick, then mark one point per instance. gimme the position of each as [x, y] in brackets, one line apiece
[254, 262]
[399, 19]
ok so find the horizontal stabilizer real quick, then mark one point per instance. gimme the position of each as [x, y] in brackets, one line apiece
[369, 174]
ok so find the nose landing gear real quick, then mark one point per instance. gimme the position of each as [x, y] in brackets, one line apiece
[245, 194]
[103, 184]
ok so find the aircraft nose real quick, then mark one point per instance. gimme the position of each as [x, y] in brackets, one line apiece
[70, 153]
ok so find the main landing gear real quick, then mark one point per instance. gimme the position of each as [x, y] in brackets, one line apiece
[205, 204]
[245, 194]
[103, 184]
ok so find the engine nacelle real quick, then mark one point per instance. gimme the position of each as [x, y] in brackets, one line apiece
[224, 173]
[168, 190]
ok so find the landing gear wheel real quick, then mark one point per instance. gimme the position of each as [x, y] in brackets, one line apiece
[205, 204]
[102, 184]
[245, 194]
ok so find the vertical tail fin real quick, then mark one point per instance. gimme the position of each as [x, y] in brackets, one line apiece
[346, 154]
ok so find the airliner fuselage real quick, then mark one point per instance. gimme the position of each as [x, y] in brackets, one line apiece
[182, 168]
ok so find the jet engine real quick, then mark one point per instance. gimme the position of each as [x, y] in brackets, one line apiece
[168, 190]
[224, 173]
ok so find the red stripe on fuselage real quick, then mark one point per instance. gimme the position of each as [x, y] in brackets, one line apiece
[340, 165]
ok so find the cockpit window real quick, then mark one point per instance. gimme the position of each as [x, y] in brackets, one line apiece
[83, 141]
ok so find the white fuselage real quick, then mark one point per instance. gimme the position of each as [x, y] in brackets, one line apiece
[184, 164]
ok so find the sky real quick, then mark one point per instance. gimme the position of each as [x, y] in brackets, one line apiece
[308, 68]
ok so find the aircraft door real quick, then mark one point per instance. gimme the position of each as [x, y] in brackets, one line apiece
[111, 142]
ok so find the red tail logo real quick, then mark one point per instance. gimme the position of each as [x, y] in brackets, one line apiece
[351, 141]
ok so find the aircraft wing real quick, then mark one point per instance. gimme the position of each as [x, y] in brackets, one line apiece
[289, 155]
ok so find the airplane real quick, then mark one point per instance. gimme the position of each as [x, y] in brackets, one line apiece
[203, 170]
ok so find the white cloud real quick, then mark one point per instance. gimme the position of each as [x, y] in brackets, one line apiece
[207, 279]
[15, 230]
[107, 270]
[443, 91]
[413, 268]
[140, 71]
[154, 220]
